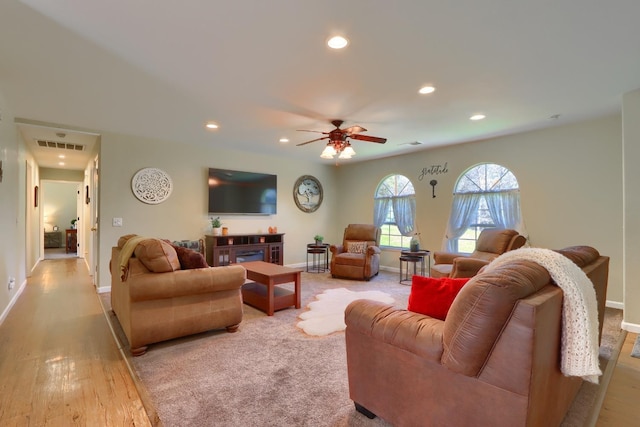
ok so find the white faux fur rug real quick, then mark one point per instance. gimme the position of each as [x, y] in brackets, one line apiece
[326, 315]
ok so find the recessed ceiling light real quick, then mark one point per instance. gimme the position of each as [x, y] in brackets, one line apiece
[212, 125]
[60, 163]
[61, 156]
[337, 42]
[426, 89]
[477, 117]
[283, 140]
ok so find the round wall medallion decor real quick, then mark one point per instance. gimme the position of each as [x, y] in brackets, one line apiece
[307, 193]
[151, 185]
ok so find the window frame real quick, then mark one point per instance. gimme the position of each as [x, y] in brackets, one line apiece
[476, 226]
[389, 228]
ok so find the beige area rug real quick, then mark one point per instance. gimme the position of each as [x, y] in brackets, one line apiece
[326, 314]
[270, 373]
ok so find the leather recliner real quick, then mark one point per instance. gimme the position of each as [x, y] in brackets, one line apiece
[491, 244]
[358, 257]
[493, 361]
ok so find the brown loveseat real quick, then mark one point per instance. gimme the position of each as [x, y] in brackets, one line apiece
[494, 360]
[491, 244]
[158, 301]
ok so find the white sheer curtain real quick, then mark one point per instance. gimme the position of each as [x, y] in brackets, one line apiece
[464, 206]
[504, 207]
[404, 212]
[380, 209]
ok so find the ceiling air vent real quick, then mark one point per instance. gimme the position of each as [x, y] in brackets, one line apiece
[61, 145]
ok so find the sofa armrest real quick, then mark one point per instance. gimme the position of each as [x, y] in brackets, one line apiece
[153, 286]
[372, 250]
[466, 267]
[445, 257]
[336, 249]
[413, 332]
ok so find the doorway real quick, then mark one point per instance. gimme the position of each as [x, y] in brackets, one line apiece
[59, 200]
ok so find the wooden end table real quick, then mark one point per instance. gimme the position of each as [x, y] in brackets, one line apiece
[264, 294]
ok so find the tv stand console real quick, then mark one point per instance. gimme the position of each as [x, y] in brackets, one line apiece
[237, 248]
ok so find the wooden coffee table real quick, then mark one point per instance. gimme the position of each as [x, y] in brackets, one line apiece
[264, 294]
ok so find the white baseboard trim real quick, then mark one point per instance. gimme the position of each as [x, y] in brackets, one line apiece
[103, 289]
[615, 304]
[6, 311]
[631, 327]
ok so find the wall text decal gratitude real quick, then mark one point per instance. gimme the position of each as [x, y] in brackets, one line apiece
[433, 170]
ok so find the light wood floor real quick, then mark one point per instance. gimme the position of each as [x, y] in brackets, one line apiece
[618, 408]
[59, 364]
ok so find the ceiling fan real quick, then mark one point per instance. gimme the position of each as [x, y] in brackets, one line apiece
[338, 143]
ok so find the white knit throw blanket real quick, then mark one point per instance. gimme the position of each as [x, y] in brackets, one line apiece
[580, 349]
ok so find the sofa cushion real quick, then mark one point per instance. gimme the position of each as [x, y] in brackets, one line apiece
[355, 247]
[157, 256]
[433, 296]
[190, 259]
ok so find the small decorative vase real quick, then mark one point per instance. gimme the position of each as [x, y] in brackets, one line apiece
[217, 231]
[318, 242]
[414, 245]
[225, 231]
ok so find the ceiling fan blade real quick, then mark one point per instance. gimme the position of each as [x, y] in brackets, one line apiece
[369, 138]
[354, 129]
[315, 131]
[313, 140]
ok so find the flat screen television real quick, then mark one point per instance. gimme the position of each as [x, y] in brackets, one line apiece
[242, 193]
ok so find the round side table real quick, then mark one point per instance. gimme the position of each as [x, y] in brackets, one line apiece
[317, 253]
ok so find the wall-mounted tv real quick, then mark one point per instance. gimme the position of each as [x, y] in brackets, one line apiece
[242, 193]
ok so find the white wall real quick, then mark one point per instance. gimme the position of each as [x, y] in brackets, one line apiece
[184, 215]
[631, 173]
[58, 204]
[12, 209]
[569, 176]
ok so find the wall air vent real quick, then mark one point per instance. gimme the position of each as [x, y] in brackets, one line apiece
[61, 145]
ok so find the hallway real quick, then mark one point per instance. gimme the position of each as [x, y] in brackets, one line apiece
[59, 363]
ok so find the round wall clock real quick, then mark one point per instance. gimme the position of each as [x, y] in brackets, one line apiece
[151, 185]
[307, 193]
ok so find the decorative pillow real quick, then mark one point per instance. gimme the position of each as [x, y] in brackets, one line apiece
[190, 259]
[157, 256]
[356, 247]
[433, 296]
[196, 245]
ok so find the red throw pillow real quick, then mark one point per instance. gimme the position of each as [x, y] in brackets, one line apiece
[190, 259]
[434, 296]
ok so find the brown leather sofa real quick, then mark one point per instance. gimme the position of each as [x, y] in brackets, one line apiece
[494, 360]
[491, 244]
[158, 306]
[358, 257]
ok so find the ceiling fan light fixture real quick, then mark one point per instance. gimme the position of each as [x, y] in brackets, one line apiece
[328, 152]
[348, 151]
[337, 42]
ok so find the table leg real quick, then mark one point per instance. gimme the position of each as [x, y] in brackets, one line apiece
[297, 289]
[270, 297]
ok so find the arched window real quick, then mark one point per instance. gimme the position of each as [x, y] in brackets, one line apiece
[395, 211]
[486, 196]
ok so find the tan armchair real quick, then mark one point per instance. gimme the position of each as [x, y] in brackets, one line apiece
[358, 257]
[491, 244]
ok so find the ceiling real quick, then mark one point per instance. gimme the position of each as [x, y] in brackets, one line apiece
[261, 69]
